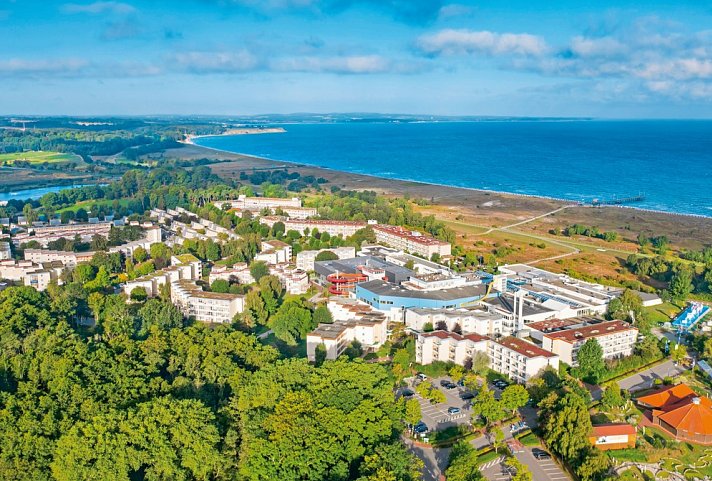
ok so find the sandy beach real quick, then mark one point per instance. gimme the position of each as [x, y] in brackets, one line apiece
[479, 207]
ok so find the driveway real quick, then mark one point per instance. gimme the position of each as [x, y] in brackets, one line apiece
[645, 379]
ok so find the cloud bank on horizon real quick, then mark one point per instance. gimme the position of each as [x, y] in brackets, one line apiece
[617, 59]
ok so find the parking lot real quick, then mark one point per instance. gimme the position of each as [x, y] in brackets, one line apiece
[541, 469]
[436, 416]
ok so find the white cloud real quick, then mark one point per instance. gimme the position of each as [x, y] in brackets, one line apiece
[593, 47]
[355, 64]
[94, 8]
[454, 10]
[214, 62]
[459, 42]
[61, 67]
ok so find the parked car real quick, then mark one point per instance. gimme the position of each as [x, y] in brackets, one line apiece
[421, 376]
[444, 382]
[453, 410]
[540, 455]
[450, 385]
[466, 395]
[408, 393]
[421, 428]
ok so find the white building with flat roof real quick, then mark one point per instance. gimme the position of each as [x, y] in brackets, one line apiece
[257, 204]
[211, 307]
[305, 259]
[32, 274]
[46, 234]
[274, 252]
[5, 251]
[370, 331]
[68, 258]
[183, 267]
[239, 273]
[342, 228]
[295, 281]
[617, 338]
[448, 347]
[477, 321]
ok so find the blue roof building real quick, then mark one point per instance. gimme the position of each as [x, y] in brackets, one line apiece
[385, 296]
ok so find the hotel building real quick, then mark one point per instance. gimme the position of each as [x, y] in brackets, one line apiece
[617, 338]
[519, 360]
[411, 241]
[448, 347]
[305, 259]
[343, 228]
[211, 307]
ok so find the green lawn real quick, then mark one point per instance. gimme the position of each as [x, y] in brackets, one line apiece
[37, 157]
[664, 312]
[90, 203]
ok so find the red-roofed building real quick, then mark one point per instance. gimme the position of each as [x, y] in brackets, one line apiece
[617, 339]
[411, 241]
[682, 412]
[518, 359]
[613, 436]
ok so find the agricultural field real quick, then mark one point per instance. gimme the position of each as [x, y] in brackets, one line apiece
[39, 157]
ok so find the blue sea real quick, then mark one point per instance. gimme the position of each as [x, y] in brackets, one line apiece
[669, 162]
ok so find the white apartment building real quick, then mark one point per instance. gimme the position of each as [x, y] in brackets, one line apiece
[371, 331]
[448, 347]
[31, 274]
[305, 259]
[518, 359]
[185, 266]
[211, 307]
[5, 251]
[617, 338]
[411, 241]
[295, 281]
[46, 234]
[239, 273]
[343, 228]
[69, 259]
[152, 235]
[257, 204]
[477, 321]
[274, 252]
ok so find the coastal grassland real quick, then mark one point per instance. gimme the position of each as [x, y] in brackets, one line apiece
[39, 157]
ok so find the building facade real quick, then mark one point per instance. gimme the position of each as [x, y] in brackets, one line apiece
[411, 241]
[617, 338]
[210, 307]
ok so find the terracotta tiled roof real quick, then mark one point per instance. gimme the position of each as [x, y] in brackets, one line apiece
[693, 416]
[612, 429]
[667, 396]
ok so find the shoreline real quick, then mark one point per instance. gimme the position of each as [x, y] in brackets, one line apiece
[189, 139]
[474, 189]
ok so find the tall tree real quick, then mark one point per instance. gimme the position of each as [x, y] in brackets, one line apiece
[590, 360]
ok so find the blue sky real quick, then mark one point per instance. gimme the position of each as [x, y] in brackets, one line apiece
[622, 59]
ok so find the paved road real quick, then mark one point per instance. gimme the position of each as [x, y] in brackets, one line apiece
[644, 379]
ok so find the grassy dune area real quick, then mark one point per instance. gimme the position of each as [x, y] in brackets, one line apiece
[39, 157]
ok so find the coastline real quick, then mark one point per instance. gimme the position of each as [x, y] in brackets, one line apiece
[475, 189]
[478, 207]
[189, 139]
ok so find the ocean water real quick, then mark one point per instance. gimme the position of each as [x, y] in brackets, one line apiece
[35, 193]
[669, 162]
